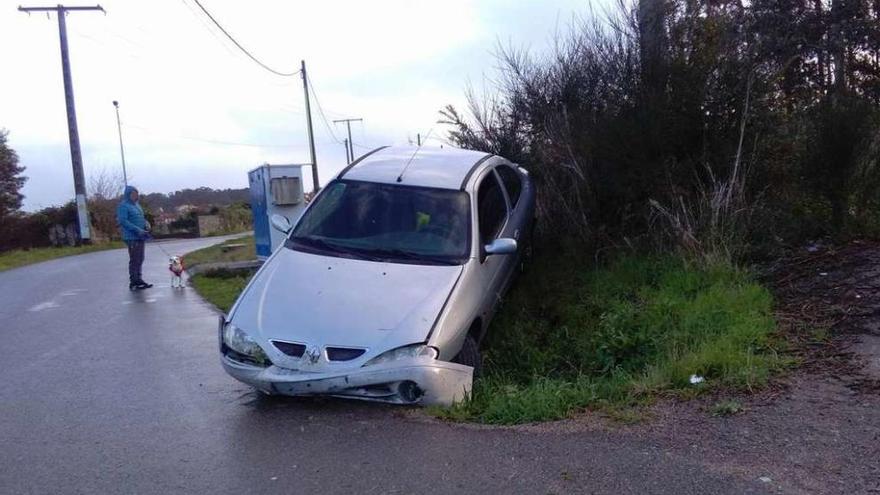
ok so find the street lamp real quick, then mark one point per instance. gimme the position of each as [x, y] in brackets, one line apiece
[121, 150]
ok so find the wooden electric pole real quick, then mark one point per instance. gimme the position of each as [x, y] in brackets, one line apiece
[79, 181]
[347, 155]
[350, 145]
[311, 133]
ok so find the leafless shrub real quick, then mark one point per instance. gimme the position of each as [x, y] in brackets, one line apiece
[549, 115]
[104, 188]
[105, 184]
[711, 226]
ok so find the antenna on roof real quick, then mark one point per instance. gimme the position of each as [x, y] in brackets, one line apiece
[419, 147]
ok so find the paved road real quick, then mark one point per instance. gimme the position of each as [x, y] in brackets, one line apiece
[109, 391]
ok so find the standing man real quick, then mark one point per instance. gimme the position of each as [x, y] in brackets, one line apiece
[135, 230]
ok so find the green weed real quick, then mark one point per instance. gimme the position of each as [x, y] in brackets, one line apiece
[726, 408]
[820, 335]
[238, 249]
[22, 257]
[571, 337]
[220, 289]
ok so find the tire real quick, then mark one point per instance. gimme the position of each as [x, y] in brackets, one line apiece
[469, 355]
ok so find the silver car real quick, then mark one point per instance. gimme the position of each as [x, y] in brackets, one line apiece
[386, 285]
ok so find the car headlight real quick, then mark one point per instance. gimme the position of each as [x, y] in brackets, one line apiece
[240, 342]
[410, 351]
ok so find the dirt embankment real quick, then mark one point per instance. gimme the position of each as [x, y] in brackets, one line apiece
[817, 429]
[829, 303]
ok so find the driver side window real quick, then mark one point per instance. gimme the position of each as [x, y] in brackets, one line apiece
[491, 208]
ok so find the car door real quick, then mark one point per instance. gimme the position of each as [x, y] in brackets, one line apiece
[492, 216]
[515, 227]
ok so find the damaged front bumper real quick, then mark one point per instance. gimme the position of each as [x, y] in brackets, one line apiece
[421, 380]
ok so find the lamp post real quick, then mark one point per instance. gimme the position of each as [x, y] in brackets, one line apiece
[121, 150]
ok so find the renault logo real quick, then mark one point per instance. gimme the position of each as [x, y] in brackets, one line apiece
[312, 354]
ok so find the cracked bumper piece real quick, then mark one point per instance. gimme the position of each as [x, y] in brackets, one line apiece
[422, 381]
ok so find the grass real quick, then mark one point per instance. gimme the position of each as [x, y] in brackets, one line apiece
[819, 335]
[223, 252]
[221, 287]
[571, 337]
[22, 257]
[727, 407]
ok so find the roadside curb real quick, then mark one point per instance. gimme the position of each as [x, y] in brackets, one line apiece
[224, 265]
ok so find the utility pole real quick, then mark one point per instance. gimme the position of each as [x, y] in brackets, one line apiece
[347, 155]
[79, 182]
[419, 139]
[350, 144]
[121, 150]
[309, 122]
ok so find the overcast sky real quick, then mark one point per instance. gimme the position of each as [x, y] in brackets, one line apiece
[181, 84]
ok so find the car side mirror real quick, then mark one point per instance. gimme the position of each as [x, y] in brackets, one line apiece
[501, 246]
[281, 223]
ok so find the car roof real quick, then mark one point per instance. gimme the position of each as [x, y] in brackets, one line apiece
[445, 167]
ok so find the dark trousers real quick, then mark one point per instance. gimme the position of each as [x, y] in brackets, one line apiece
[135, 260]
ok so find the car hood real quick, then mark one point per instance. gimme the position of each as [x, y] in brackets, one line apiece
[329, 301]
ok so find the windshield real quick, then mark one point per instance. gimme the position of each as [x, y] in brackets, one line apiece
[386, 222]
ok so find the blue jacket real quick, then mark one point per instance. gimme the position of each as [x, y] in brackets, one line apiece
[130, 217]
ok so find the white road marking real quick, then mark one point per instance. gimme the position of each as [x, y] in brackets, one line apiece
[44, 305]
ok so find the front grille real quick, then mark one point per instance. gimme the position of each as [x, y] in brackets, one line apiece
[343, 353]
[289, 348]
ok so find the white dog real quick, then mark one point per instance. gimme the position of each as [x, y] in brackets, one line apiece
[175, 266]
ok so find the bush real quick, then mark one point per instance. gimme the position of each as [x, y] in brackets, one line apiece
[188, 222]
[53, 226]
[695, 125]
[235, 218]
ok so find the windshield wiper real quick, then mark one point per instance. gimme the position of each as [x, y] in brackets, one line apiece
[314, 242]
[400, 254]
[318, 243]
[376, 254]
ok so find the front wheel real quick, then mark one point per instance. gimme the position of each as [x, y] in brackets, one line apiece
[469, 355]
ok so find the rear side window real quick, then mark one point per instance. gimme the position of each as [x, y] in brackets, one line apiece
[492, 208]
[512, 183]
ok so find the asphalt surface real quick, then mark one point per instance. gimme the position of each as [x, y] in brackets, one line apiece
[109, 391]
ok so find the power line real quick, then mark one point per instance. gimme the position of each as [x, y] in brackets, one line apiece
[207, 27]
[243, 49]
[321, 112]
[364, 139]
[363, 147]
[211, 141]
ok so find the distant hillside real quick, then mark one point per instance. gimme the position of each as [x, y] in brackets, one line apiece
[202, 196]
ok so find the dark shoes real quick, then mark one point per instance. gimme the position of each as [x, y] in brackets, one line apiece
[139, 285]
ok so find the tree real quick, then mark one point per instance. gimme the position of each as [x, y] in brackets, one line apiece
[11, 180]
[106, 184]
[692, 104]
[105, 188]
